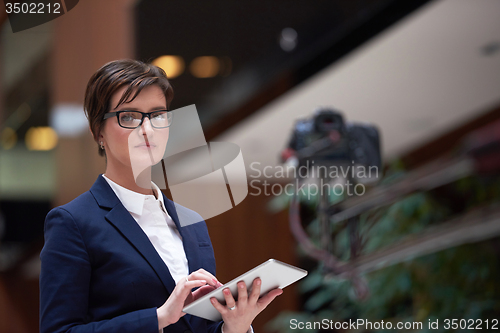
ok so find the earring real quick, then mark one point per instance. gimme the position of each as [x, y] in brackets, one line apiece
[101, 144]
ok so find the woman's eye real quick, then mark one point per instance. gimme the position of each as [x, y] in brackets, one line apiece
[130, 116]
[159, 116]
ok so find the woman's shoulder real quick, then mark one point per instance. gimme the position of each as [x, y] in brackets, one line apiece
[80, 206]
[86, 203]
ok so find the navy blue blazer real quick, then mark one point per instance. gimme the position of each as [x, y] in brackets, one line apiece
[100, 272]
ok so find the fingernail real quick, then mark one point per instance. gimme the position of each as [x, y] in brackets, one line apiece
[203, 282]
[212, 300]
[226, 291]
[215, 281]
[258, 282]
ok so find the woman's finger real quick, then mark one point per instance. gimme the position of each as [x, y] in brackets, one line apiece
[264, 301]
[206, 273]
[230, 302]
[219, 307]
[242, 293]
[202, 291]
[201, 274]
[255, 293]
[188, 285]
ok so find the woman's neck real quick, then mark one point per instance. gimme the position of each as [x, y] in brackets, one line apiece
[125, 177]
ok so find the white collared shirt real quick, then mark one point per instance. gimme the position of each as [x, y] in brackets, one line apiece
[152, 216]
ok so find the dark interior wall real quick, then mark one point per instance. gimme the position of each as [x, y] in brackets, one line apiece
[248, 235]
[448, 142]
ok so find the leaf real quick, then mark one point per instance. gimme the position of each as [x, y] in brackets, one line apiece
[319, 299]
[311, 281]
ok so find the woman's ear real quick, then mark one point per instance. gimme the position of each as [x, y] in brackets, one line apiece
[92, 132]
[98, 137]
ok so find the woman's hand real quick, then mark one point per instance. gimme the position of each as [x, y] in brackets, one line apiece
[239, 319]
[171, 311]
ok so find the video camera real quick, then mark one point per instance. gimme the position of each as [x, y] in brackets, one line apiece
[326, 139]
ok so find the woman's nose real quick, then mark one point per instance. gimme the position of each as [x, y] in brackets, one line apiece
[146, 127]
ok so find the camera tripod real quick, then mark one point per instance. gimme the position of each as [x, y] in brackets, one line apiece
[480, 154]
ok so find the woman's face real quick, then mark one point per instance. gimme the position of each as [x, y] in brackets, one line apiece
[135, 148]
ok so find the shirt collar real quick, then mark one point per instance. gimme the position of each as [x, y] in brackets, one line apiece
[133, 201]
[159, 197]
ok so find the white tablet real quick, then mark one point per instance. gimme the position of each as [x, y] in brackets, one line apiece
[273, 273]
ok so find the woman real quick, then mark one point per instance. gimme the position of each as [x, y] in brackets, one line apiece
[115, 259]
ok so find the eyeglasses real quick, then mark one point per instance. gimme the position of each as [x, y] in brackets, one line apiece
[134, 119]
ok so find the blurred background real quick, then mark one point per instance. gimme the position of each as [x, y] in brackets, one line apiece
[425, 73]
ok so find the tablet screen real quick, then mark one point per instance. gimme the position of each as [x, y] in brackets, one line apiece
[273, 273]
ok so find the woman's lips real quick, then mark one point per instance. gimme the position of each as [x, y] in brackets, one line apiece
[146, 145]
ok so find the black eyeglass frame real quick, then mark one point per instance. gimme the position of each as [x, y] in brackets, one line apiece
[108, 115]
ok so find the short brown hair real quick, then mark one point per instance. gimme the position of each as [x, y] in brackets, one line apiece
[110, 78]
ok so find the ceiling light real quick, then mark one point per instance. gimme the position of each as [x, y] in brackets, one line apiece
[204, 67]
[41, 138]
[172, 65]
[288, 39]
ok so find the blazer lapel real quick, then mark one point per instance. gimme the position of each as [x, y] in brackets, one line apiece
[125, 223]
[190, 243]
[189, 240]
[119, 217]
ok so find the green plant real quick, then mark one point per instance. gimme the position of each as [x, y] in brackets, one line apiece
[456, 283]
